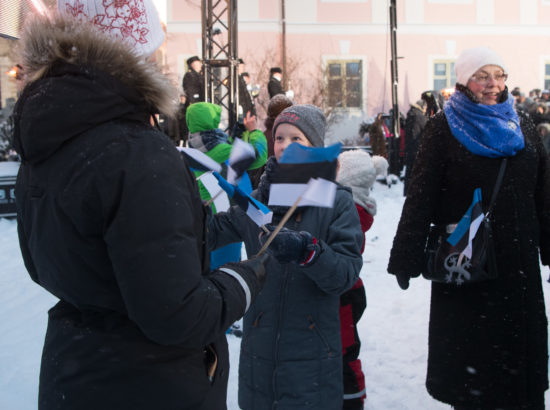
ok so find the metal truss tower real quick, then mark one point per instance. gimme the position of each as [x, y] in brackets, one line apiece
[220, 56]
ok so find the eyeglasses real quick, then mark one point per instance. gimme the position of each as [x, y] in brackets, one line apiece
[483, 79]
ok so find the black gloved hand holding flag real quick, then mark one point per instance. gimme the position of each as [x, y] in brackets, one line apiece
[291, 246]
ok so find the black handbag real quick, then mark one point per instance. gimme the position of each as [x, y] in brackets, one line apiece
[446, 264]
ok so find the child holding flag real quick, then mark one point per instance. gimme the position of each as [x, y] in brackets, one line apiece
[203, 119]
[291, 352]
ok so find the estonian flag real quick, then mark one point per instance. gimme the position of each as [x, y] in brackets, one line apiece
[465, 231]
[241, 157]
[257, 211]
[307, 173]
[199, 161]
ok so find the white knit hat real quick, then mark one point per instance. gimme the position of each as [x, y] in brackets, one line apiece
[134, 21]
[472, 59]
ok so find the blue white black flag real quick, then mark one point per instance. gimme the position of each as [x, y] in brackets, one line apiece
[465, 231]
[257, 211]
[307, 173]
[199, 161]
[241, 157]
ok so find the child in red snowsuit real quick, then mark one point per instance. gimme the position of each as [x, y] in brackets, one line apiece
[356, 171]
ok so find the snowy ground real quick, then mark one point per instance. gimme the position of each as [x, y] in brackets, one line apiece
[393, 329]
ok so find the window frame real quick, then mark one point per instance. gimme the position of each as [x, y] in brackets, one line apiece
[449, 77]
[344, 78]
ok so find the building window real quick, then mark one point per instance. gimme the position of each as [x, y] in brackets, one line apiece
[344, 83]
[444, 74]
[547, 76]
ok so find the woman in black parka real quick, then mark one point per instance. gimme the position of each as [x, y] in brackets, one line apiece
[487, 341]
[110, 222]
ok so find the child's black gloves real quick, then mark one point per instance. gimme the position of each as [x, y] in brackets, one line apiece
[292, 246]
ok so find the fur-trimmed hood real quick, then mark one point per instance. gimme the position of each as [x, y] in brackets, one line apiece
[78, 78]
[46, 42]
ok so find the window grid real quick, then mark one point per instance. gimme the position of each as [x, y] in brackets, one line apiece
[443, 74]
[344, 83]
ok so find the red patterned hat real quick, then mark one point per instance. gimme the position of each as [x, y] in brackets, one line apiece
[133, 21]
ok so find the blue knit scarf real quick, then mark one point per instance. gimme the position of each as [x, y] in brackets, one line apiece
[487, 130]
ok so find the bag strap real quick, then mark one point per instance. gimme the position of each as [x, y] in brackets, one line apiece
[497, 186]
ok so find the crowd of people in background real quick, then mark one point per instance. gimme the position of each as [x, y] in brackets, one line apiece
[537, 105]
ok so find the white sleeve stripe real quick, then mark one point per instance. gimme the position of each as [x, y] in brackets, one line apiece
[242, 282]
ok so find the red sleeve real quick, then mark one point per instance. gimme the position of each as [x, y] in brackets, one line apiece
[366, 222]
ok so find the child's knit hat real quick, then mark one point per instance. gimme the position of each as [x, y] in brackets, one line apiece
[308, 119]
[135, 22]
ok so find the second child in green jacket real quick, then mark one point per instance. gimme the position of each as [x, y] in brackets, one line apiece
[203, 120]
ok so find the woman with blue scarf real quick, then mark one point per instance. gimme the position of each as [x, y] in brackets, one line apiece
[488, 346]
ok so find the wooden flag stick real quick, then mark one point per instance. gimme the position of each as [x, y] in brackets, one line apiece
[209, 202]
[280, 226]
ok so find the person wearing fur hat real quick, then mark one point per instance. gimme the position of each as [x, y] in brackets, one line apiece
[246, 101]
[193, 83]
[291, 351]
[355, 170]
[193, 90]
[274, 86]
[111, 222]
[488, 343]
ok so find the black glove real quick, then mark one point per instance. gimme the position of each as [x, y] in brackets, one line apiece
[403, 280]
[291, 246]
[257, 264]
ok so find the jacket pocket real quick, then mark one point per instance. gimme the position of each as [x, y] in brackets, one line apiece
[313, 327]
[210, 362]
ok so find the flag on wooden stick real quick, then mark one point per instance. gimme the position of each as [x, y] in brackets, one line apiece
[307, 173]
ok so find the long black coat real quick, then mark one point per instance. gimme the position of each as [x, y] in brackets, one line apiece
[274, 87]
[245, 99]
[110, 222]
[487, 341]
[193, 86]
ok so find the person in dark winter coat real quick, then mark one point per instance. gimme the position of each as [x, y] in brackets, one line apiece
[193, 90]
[377, 137]
[193, 83]
[539, 113]
[355, 170]
[488, 346]
[274, 85]
[291, 352]
[544, 132]
[110, 222]
[414, 124]
[245, 99]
